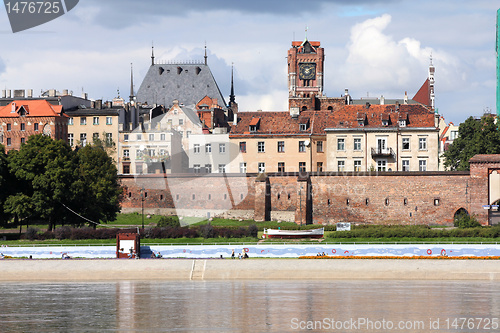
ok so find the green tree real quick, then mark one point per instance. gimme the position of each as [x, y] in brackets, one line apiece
[4, 188]
[45, 171]
[474, 137]
[97, 191]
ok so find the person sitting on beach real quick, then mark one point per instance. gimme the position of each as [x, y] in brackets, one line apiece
[153, 254]
[65, 256]
[245, 256]
[2, 256]
[158, 255]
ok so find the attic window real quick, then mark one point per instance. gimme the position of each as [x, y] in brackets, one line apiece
[179, 70]
[160, 70]
[197, 70]
[402, 123]
[303, 124]
[254, 125]
[361, 118]
[385, 119]
[385, 122]
[303, 127]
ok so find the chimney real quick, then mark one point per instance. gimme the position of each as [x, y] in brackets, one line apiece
[382, 100]
[8, 93]
[367, 105]
[4, 93]
[85, 96]
[405, 100]
[30, 93]
[235, 120]
[65, 92]
[13, 107]
[98, 104]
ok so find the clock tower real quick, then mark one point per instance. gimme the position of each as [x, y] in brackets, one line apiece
[305, 69]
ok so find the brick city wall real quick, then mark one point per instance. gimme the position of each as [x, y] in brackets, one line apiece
[386, 197]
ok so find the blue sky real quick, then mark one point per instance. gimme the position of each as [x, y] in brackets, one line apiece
[373, 48]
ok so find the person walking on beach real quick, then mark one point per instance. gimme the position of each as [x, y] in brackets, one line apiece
[232, 254]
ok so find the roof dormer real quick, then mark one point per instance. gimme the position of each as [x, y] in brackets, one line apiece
[361, 117]
[304, 124]
[254, 125]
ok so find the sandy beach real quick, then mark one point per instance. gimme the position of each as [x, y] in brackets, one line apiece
[254, 269]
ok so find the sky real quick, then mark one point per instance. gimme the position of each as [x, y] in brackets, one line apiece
[372, 47]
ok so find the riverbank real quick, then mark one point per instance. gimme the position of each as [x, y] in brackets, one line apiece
[52, 270]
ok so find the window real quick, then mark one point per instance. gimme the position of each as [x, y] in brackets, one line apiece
[23, 140]
[302, 127]
[9, 142]
[262, 167]
[406, 143]
[151, 137]
[405, 201]
[162, 152]
[281, 166]
[181, 133]
[319, 166]
[381, 165]
[222, 148]
[109, 138]
[402, 123]
[387, 201]
[243, 167]
[151, 152]
[357, 144]
[138, 154]
[340, 144]
[162, 137]
[208, 148]
[95, 136]
[23, 127]
[83, 139]
[96, 121]
[9, 127]
[422, 165]
[436, 202]
[109, 121]
[222, 168]
[422, 143]
[139, 137]
[319, 146]
[196, 148]
[70, 121]
[125, 137]
[261, 147]
[181, 122]
[340, 165]
[188, 134]
[196, 168]
[126, 169]
[208, 168]
[83, 121]
[453, 135]
[35, 126]
[281, 146]
[70, 139]
[126, 153]
[406, 165]
[243, 147]
[302, 166]
[302, 146]
[357, 165]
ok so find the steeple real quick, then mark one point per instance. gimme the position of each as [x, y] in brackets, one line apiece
[206, 53]
[432, 69]
[152, 54]
[131, 83]
[231, 97]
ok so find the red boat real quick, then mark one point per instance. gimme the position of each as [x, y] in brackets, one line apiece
[309, 233]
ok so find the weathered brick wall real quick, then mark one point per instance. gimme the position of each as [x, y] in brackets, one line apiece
[416, 198]
[387, 197]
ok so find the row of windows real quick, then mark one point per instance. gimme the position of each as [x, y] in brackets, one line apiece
[9, 141]
[23, 127]
[382, 165]
[153, 136]
[95, 121]
[261, 146]
[193, 196]
[83, 138]
[208, 148]
[382, 144]
[436, 202]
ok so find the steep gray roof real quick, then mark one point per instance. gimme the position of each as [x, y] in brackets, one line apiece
[186, 82]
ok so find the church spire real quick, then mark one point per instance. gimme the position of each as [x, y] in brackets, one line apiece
[206, 53]
[131, 83]
[231, 97]
[152, 54]
[432, 96]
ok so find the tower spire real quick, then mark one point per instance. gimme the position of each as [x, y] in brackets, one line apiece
[206, 53]
[231, 97]
[152, 54]
[131, 83]
[432, 96]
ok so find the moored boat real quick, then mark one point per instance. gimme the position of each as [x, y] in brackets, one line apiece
[309, 233]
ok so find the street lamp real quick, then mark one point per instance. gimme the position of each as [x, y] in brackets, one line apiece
[142, 205]
[300, 204]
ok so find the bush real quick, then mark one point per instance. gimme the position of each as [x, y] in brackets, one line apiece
[168, 221]
[253, 230]
[62, 232]
[31, 233]
[464, 220]
[207, 231]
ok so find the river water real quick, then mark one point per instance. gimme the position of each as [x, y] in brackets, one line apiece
[251, 306]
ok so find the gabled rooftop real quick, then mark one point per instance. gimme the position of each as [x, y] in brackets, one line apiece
[30, 108]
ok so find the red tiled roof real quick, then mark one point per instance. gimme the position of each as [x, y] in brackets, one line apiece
[281, 123]
[423, 94]
[34, 108]
[255, 121]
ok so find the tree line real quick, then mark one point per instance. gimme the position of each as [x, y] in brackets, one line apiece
[46, 180]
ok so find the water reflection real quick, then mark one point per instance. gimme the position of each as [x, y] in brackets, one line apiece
[237, 306]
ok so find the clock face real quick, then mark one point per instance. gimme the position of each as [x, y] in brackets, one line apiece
[307, 71]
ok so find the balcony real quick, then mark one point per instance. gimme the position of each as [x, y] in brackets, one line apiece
[379, 151]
